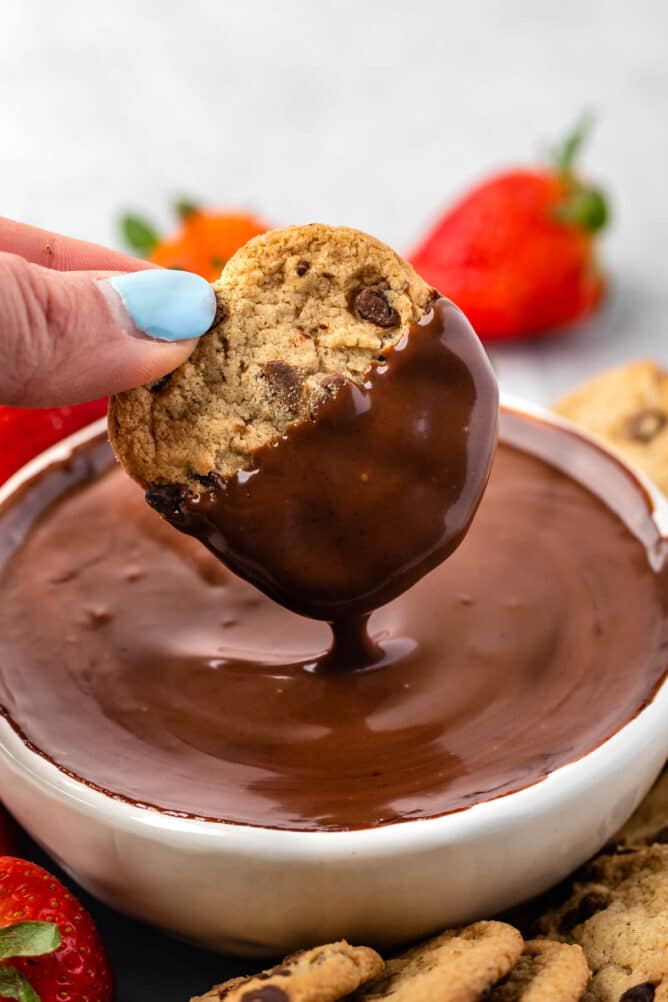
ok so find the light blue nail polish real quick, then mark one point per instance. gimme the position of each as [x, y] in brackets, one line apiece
[166, 304]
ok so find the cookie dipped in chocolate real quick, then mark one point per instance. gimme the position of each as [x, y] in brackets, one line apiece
[348, 510]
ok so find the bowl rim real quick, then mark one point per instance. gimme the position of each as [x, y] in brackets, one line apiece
[489, 816]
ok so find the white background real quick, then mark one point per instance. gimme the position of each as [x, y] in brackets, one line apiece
[367, 113]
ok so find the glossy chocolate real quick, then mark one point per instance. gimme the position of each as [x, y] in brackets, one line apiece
[350, 509]
[132, 658]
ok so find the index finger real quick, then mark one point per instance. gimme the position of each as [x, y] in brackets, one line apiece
[59, 253]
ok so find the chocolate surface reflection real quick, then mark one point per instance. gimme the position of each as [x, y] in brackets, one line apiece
[132, 658]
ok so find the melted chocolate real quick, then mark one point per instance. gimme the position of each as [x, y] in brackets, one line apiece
[133, 659]
[350, 509]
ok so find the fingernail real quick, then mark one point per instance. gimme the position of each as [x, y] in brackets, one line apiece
[166, 304]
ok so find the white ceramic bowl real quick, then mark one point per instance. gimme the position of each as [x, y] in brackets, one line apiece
[261, 891]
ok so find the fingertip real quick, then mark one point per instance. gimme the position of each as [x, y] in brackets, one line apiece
[151, 364]
[166, 305]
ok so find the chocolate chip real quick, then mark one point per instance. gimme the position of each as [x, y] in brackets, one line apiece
[585, 908]
[221, 314]
[159, 384]
[167, 499]
[331, 384]
[284, 382]
[205, 479]
[270, 993]
[282, 972]
[302, 267]
[370, 304]
[645, 425]
[643, 992]
[661, 836]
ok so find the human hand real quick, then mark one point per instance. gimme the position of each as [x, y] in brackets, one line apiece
[78, 321]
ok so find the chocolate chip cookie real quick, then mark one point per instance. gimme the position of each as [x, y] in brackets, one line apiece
[460, 965]
[323, 974]
[300, 311]
[617, 911]
[546, 972]
[628, 408]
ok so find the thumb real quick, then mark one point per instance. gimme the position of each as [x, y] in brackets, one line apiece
[66, 337]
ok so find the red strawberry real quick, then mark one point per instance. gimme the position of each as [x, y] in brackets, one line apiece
[26, 432]
[49, 947]
[517, 254]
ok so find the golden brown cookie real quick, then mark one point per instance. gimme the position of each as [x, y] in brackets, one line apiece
[546, 972]
[649, 823]
[457, 966]
[323, 974]
[617, 912]
[300, 310]
[628, 408]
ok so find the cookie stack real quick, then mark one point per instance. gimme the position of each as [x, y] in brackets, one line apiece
[600, 936]
[616, 909]
[486, 960]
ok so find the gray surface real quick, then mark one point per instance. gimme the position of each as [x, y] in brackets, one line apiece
[368, 113]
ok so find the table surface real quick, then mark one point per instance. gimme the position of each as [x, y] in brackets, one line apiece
[370, 114]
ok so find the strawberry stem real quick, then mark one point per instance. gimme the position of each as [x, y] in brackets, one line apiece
[565, 155]
[583, 205]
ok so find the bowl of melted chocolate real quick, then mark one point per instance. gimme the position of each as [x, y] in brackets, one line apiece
[478, 727]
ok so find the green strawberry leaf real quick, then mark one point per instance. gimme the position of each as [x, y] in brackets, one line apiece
[184, 207]
[14, 986]
[139, 235]
[28, 939]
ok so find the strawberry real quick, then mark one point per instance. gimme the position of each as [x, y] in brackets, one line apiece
[25, 432]
[50, 949]
[517, 253]
[202, 242]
